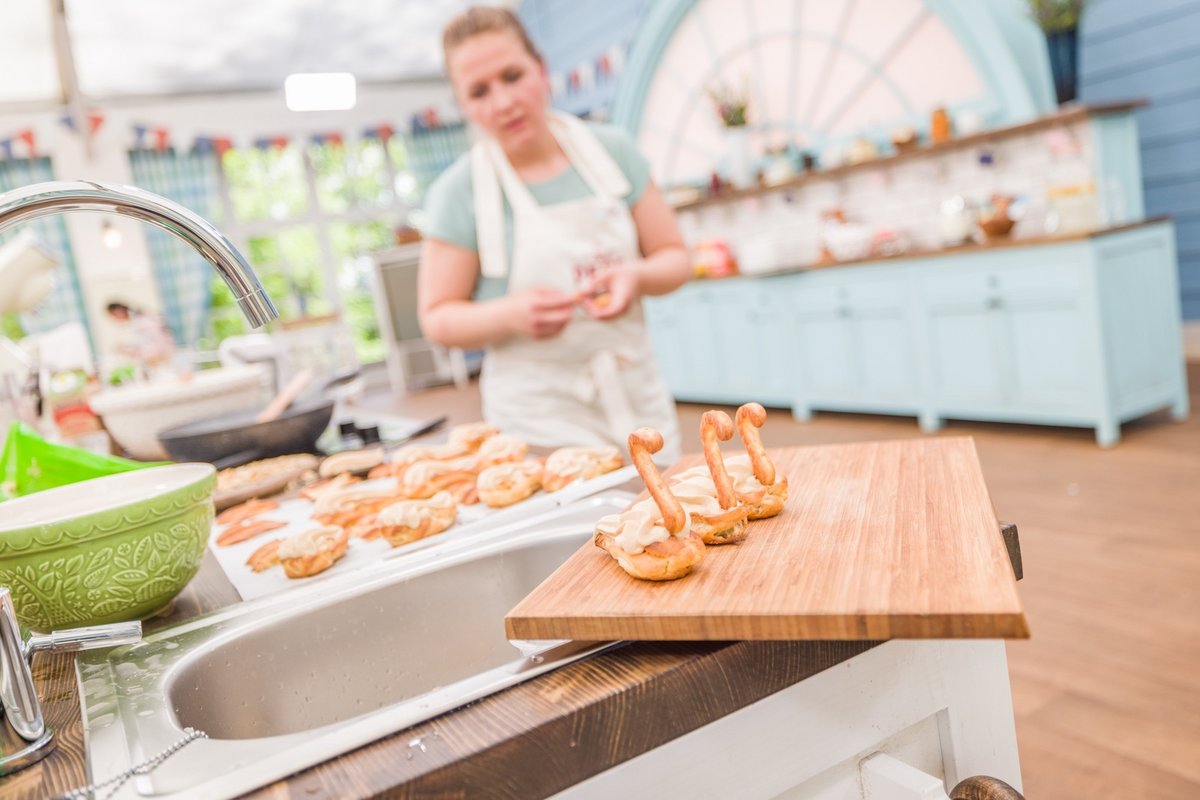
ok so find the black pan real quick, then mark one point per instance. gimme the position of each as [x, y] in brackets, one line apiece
[233, 439]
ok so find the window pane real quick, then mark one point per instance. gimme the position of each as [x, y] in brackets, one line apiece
[351, 176]
[353, 242]
[249, 170]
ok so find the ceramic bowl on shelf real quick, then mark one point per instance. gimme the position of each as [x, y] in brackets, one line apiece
[135, 414]
[108, 549]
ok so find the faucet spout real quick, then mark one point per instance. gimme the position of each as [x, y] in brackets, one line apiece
[44, 199]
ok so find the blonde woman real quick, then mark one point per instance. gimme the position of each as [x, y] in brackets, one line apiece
[540, 244]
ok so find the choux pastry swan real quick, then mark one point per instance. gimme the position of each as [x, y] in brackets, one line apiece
[651, 543]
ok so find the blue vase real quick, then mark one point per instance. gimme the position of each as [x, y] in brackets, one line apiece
[1063, 47]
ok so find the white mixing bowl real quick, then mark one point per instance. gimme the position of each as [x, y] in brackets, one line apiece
[135, 414]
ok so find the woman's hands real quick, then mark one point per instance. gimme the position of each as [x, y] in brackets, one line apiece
[609, 291]
[538, 312]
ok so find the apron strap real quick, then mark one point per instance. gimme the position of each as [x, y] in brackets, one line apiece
[489, 215]
[491, 173]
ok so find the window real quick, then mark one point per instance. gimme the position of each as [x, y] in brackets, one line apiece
[65, 302]
[308, 215]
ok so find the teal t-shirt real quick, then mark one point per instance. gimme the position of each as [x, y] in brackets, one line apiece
[450, 206]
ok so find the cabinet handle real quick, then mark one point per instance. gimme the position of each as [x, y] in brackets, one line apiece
[995, 303]
[843, 312]
[981, 787]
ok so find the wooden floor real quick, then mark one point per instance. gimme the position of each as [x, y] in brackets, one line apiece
[1107, 692]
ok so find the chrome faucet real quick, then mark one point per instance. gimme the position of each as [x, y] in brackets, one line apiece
[20, 700]
[43, 199]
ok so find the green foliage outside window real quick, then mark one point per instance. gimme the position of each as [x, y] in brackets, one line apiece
[10, 326]
[367, 181]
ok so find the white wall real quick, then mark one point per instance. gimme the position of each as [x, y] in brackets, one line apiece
[125, 271]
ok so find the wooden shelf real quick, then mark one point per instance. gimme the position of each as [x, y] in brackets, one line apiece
[1064, 116]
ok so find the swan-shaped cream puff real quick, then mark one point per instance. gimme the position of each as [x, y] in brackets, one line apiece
[569, 464]
[504, 484]
[706, 492]
[653, 545]
[410, 520]
[754, 477]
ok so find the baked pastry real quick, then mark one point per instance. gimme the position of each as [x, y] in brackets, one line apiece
[349, 507]
[329, 485]
[650, 545]
[244, 511]
[247, 529]
[351, 461]
[410, 520]
[718, 516]
[500, 449]
[504, 484]
[569, 464]
[313, 551]
[426, 478]
[261, 478]
[754, 477]
[471, 435]
[265, 557]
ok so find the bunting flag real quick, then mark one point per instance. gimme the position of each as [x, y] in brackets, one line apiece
[221, 144]
[585, 75]
[139, 136]
[279, 141]
[95, 120]
[202, 144]
[262, 143]
[334, 139]
[162, 139]
[27, 137]
[68, 122]
[385, 132]
[6, 146]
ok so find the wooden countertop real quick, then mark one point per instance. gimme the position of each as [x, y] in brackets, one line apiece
[530, 741]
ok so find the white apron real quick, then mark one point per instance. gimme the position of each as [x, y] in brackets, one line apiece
[596, 381]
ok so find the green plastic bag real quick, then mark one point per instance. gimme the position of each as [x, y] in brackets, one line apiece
[31, 464]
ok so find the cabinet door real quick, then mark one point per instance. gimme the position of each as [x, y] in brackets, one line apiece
[886, 350]
[825, 350]
[966, 369]
[762, 367]
[1050, 371]
[685, 342]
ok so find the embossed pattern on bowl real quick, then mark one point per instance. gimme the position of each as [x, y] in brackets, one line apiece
[105, 550]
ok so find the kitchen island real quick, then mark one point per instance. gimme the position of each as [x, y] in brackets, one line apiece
[658, 717]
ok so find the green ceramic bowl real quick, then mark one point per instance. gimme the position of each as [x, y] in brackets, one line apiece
[105, 550]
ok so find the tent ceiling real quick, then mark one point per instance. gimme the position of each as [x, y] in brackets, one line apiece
[128, 48]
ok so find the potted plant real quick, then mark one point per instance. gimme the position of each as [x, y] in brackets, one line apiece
[1059, 20]
[732, 107]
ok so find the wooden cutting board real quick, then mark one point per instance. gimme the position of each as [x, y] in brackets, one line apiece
[878, 540]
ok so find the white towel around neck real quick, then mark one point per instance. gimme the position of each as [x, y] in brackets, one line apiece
[586, 153]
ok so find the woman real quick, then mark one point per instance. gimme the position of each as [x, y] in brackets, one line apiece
[539, 245]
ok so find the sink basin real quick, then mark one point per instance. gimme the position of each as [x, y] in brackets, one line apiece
[287, 681]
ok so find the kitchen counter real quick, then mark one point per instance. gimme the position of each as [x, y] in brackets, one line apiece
[532, 740]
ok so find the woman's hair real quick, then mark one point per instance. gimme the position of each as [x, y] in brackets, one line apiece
[484, 19]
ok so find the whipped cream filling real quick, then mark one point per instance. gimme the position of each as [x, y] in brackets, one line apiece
[635, 529]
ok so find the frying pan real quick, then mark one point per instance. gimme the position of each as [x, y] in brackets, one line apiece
[233, 439]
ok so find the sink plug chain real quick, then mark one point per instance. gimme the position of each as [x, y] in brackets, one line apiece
[145, 768]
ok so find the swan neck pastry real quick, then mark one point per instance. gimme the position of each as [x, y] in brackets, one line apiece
[749, 418]
[714, 426]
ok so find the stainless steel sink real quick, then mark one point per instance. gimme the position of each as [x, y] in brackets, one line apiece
[287, 681]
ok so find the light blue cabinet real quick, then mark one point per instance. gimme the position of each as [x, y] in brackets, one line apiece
[1083, 333]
